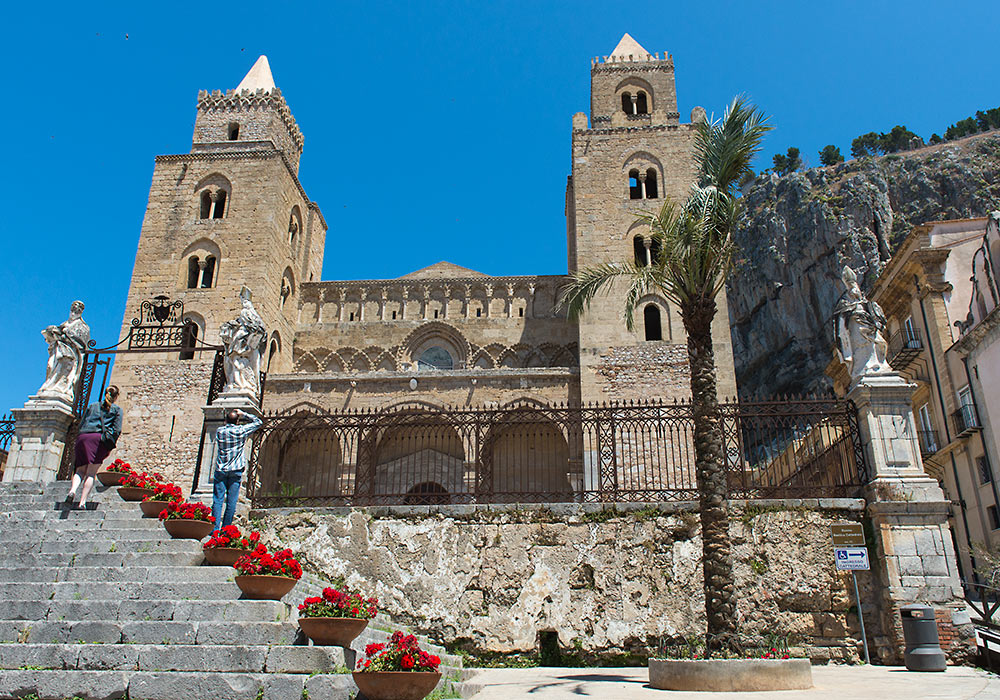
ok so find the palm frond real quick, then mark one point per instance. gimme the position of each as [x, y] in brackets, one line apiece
[725, 148]
[577, 294]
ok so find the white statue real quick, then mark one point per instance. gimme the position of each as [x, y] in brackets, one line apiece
[244, 339]
[859, 329]
[67, 345]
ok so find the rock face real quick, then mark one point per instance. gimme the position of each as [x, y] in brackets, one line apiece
[800, 230]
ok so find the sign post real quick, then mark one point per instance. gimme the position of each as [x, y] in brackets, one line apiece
[850, 554]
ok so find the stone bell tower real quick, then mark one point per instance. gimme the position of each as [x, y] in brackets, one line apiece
[229, 213]
[634, 153]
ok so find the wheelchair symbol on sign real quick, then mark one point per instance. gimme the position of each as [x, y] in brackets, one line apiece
[841, 554]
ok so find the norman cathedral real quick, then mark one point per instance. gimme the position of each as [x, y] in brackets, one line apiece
[232, 213]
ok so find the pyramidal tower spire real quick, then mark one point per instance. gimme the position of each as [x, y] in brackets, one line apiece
[260, 78]
[627, 49]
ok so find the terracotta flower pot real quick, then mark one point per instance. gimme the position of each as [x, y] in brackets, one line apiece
[396, 685]
[223, 556]
[188, 529]
[151, 509]
[332, 631]
[133, 493]
[110, 478]
[262, 587]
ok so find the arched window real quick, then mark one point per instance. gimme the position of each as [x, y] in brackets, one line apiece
[271, 353]
[208, 274]
[200, 265]
[234, 131]
[220, 205]
[640, 250]
[641, 106]
[651, 191]
[294, 226]
[627, 102]
[651, 321]
[287, 287]
[194, 272]
[213, 195]
[201, 273]
[189, 338]
[206, 204]
[634, 185]
[435, 357]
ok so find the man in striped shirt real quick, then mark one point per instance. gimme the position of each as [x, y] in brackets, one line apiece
[230, 462]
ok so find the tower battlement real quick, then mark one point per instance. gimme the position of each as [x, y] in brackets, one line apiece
[254, 111]
[610, 61]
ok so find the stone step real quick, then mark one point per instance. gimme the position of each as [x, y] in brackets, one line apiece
[90, 590]
[175, 685]
[90, 521]
[127, 610]
[100, 546]
[116, 559]
[173, 657]
[18, 535]
[151, 632]
[60, 513]
[118, 574]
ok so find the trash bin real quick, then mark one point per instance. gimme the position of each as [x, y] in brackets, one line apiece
[923, 652]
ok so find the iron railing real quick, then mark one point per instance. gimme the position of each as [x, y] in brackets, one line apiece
[904, 347]
[6, 436]
[985, 603]
[529, 452]
[965, 420]
[929, 442]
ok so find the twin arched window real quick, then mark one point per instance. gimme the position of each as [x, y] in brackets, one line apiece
[213, 204]
[646, 250]
[201, 272]
[642, 185]
[635, 104]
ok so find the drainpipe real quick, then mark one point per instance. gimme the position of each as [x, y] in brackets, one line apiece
[986, 453]
[947, 434]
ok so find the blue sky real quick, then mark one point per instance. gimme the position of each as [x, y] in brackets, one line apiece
[433, 130]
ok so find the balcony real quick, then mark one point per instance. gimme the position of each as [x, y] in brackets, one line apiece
[929, 443]
[965, 420]
[904, 347]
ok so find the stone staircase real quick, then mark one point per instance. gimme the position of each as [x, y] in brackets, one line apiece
[103, 604]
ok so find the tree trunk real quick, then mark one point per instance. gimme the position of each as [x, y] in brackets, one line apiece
[710, 467]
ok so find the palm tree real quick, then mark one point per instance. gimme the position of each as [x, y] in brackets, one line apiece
[696, 255]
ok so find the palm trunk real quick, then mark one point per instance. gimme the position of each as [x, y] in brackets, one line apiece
[720, 588]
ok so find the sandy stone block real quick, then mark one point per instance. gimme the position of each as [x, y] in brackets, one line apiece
[910, 566]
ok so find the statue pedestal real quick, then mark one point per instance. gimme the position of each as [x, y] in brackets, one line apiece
[215, 417]
[915, 560]
[40, 429]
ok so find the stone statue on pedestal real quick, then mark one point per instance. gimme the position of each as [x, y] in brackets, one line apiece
[244, 339]
[859, 329]
[67, 345]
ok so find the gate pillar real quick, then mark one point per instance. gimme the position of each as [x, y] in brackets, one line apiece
[915, 558]
[36, 450]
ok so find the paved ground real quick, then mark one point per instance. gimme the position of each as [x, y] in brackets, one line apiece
[831, 683]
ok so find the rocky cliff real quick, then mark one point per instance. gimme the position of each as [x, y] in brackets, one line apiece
[800, 230]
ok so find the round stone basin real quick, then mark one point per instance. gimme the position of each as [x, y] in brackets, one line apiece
[728, 675]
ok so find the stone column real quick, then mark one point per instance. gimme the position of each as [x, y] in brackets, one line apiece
[39, 440]
[915, 560]
[215, 417]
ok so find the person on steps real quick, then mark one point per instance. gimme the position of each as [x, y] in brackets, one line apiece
[230, 461]
[99, 431]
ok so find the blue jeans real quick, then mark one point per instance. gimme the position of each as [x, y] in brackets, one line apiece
[227, 491]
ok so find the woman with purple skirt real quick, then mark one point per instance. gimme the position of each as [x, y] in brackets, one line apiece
[99, 431]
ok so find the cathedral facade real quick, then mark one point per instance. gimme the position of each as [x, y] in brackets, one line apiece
[232, 213]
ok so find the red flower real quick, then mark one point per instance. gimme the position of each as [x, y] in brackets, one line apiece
[406, 661]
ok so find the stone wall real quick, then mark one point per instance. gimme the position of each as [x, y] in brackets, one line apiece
[654, 370]
[606, 580]
[161, 425]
